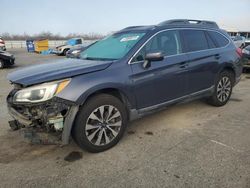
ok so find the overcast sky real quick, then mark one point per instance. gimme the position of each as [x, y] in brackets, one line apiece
[104, 16]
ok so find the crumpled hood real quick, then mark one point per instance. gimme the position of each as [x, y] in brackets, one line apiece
[60, 69]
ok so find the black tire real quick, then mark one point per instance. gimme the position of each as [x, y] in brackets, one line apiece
[221, 96]
[81, 134]
[1, 64]
[65, 52]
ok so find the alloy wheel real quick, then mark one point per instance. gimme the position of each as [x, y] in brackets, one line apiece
[224, 89]
[103, 125]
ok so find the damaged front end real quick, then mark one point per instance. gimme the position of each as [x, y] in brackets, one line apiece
[45, 122]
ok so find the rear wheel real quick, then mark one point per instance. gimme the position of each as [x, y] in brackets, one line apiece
[223, 89]
[100, 123]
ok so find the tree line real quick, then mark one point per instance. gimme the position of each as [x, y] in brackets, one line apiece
[50, 36]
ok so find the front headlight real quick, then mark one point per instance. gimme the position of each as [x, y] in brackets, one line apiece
[40, 93]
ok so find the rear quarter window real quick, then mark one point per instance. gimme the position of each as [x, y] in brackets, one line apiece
[195, 40]
[219, 39]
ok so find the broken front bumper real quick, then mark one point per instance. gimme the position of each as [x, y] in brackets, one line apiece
[54, 117]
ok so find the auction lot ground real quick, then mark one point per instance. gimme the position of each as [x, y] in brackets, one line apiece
[187, 145]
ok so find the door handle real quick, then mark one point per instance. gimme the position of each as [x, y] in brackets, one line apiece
[217, 56]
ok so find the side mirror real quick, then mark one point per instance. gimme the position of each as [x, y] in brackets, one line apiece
[157, 56]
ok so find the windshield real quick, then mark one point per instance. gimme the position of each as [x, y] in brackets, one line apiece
[113, 47]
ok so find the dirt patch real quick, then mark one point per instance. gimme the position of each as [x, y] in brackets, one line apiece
[131, 132]
[73, 156]
[149, 133]
[176, 176]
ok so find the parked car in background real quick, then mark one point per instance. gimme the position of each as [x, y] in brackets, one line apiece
[246, 52]
[2, 45]
[6, 59]
[245, 34]
[76, 51]
[239, 41]
[133, 72]
[247, 41]
[74, 42]
[246, 55]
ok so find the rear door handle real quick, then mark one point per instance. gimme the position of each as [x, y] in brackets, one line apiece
[217, 56]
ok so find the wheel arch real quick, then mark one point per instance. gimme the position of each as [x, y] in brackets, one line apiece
[65, 50]
[230, 68]
[114, 91]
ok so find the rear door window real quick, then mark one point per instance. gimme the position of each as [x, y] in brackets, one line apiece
[195, 40]
[218, 38]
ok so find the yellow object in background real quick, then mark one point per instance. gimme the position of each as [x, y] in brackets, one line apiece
[41, 45]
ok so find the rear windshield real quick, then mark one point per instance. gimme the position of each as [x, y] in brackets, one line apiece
[113, 47]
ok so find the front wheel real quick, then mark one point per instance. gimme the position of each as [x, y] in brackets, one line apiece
[100, 123]
[223, 89]
[65, 52]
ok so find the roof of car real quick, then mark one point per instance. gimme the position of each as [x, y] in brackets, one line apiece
[178, 23]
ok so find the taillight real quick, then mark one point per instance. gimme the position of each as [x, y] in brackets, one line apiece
[239, 52]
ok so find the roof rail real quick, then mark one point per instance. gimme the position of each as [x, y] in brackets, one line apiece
[131, 27]
[134, 27]
[205, 23]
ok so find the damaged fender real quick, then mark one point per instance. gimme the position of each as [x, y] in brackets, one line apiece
[68, 124]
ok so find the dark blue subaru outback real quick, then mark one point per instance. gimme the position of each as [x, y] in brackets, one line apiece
[131, 73]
